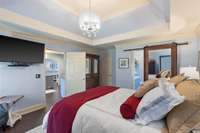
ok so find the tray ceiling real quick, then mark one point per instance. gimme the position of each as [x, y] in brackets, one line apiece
[104, 8]
[123, 19]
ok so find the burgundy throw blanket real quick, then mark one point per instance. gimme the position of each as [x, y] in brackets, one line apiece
[63, 113]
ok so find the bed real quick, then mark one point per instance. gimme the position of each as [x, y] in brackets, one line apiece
[102, 115]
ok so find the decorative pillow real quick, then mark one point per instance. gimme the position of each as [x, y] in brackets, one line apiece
[157, 103]
[164, 130]
[164, 74]
[128, 108]
[163, 83]
[196, 129]
[145, 87]
[183, 118]
[178, 79]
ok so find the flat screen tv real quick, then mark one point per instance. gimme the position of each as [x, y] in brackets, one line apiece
[20, 51]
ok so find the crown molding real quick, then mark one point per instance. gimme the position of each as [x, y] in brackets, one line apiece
[31, 37]
[48, 30]
[157, 39]
[22, 21]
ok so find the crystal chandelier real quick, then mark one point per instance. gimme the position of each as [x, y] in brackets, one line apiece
[89, 22]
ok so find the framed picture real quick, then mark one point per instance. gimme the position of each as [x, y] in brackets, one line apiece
[123, 63]
[165, 62]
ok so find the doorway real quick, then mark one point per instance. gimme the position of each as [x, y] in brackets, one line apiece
[92, 71]
[82, 72]
[54, 75]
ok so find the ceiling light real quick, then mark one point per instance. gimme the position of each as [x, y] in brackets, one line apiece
[89, 22]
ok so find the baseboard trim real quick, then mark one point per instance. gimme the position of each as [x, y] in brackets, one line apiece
[30, 109]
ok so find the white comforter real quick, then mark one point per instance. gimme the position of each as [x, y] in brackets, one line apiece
[102, 115]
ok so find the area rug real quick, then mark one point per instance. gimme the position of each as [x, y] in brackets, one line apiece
[36, 130]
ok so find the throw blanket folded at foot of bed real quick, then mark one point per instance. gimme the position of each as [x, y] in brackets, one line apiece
[63, 113]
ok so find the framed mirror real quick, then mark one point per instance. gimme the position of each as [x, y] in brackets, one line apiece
[160, 60]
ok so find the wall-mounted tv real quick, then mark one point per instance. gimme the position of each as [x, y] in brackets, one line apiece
[20, 51]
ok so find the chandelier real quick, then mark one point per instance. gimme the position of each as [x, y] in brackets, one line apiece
[89, 22]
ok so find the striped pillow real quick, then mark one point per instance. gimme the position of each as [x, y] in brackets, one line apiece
[157, 103]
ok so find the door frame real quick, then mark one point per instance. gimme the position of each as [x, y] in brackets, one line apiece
[54, 51]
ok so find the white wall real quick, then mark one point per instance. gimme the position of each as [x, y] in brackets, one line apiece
[22, 81]
[123, 76]
[187, 56]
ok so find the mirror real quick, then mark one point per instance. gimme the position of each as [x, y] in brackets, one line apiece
[160, 61]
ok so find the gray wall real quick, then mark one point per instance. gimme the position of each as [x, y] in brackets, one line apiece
[187, 56]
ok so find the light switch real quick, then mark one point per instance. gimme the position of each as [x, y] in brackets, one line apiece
[37, 76]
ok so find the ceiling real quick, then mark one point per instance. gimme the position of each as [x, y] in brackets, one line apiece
[187, 9]
[121, 19]
[106, 9]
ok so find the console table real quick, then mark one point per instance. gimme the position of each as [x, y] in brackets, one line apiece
[9, 101]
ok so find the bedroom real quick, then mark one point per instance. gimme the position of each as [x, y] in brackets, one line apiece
[113, 50]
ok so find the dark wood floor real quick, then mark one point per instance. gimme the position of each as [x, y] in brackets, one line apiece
[34, 119]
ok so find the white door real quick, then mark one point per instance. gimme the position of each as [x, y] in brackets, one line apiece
[75, 72]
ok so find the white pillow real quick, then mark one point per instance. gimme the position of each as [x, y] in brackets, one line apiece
[157, 103]
[163, 83]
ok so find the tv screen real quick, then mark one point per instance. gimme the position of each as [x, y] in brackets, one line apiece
[21, 51]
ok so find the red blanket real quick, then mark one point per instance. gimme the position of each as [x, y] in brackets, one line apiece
[63, 113]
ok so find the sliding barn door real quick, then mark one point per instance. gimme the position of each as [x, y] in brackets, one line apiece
[75, 72]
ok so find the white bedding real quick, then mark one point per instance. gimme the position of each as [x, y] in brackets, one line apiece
[102, 115]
